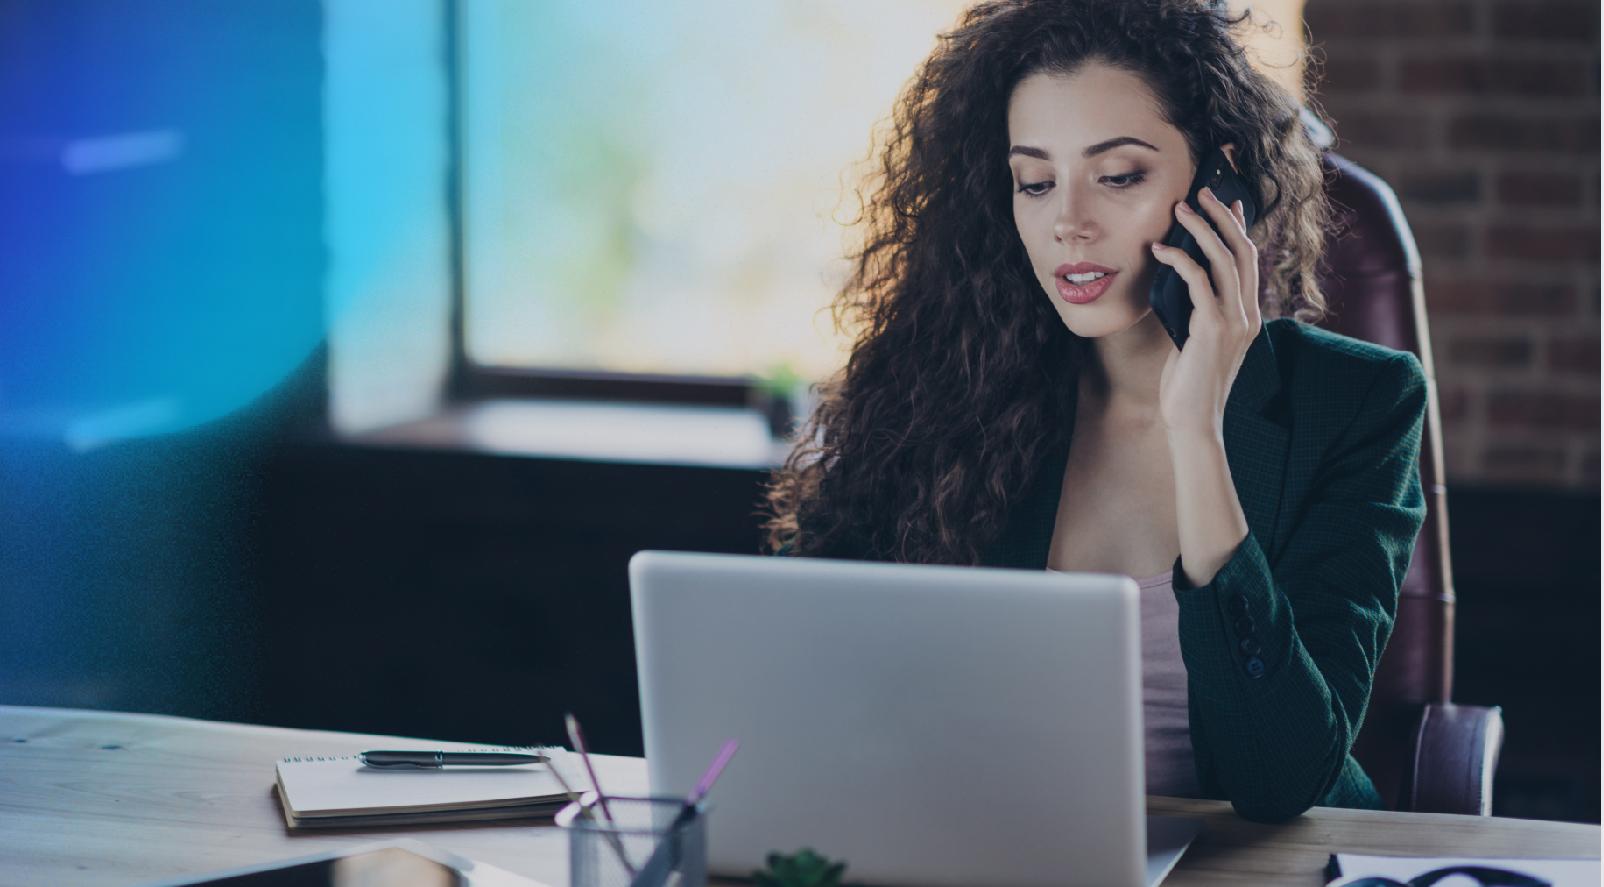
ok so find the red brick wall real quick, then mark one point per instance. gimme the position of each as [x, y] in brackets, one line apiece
[1484, 116]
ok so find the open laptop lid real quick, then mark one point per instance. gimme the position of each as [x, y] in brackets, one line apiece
[927, 724]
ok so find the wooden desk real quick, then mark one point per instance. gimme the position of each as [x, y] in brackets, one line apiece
[103, 798]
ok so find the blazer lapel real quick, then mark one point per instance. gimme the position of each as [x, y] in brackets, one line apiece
[1256, 439]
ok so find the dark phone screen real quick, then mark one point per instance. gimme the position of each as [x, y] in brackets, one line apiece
[389, 866]
[1169, 296]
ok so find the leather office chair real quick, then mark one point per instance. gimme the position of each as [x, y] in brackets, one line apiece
[1424, 753]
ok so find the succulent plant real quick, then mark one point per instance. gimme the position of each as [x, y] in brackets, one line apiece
[804, 868]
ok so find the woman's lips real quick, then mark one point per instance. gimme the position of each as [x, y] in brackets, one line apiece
[1079, 294]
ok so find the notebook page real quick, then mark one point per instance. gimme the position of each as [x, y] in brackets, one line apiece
[335, 786]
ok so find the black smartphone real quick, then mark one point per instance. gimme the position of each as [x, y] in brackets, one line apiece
[399, 862]
[1169, 297]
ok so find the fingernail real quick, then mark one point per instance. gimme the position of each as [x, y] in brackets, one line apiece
[1210, 193]
[1155, 247]
[1184, 208]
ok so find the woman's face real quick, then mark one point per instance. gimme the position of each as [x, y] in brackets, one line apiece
[1097, 173]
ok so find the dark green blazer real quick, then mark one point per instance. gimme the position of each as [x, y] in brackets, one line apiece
[1322, 434]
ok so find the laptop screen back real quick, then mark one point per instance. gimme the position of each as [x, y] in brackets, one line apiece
[927, 724]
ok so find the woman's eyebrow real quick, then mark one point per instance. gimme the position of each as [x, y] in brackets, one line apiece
[1092, 151]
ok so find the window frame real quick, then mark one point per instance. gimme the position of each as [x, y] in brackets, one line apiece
[468, 381]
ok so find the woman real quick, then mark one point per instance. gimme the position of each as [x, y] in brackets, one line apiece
[995, 410]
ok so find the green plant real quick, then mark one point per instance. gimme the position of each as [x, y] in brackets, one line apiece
[780, 380]
[804, 868]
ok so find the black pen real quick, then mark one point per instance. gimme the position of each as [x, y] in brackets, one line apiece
[434, 760]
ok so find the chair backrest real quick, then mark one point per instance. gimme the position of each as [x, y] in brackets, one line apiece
[1371, 280]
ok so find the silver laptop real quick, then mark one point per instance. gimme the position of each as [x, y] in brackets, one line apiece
[926, 724]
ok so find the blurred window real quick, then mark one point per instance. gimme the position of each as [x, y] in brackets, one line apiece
[658, 188]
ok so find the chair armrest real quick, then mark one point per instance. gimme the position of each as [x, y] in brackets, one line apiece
[1456, 752]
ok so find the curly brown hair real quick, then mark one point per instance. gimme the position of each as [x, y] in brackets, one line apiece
[954, 386]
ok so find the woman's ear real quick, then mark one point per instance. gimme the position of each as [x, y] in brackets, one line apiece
[1230, 155]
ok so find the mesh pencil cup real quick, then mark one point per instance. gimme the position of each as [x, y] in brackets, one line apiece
[649, 842]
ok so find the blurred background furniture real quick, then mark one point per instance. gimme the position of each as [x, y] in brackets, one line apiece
[1424, 753]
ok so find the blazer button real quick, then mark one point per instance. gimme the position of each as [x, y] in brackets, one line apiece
[1244, 625]
[1249, 647]
[1239, 605]
[1254, 667]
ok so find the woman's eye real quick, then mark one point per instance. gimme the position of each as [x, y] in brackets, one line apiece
[1037, 189]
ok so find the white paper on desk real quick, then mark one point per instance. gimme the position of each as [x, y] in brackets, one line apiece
[342, 786]
[1560, 872]
[1167, 838]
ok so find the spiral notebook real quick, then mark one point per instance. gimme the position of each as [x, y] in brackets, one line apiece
[339, 792]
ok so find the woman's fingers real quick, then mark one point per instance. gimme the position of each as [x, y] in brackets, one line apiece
[1244, 257]
[1221, 263]
[1248, 269]
[1204, 304]
[1224, 262]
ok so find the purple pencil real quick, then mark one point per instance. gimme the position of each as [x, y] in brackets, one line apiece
[578, 740]
[705, 784]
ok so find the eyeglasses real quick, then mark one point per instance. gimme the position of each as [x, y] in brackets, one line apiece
[1485, 876]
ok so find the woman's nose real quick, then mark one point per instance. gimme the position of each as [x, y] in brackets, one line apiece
[1073, 221]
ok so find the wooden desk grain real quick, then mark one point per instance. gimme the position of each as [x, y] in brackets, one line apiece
[100, 798]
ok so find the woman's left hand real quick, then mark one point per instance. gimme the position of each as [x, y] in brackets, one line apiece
[1225, 319]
